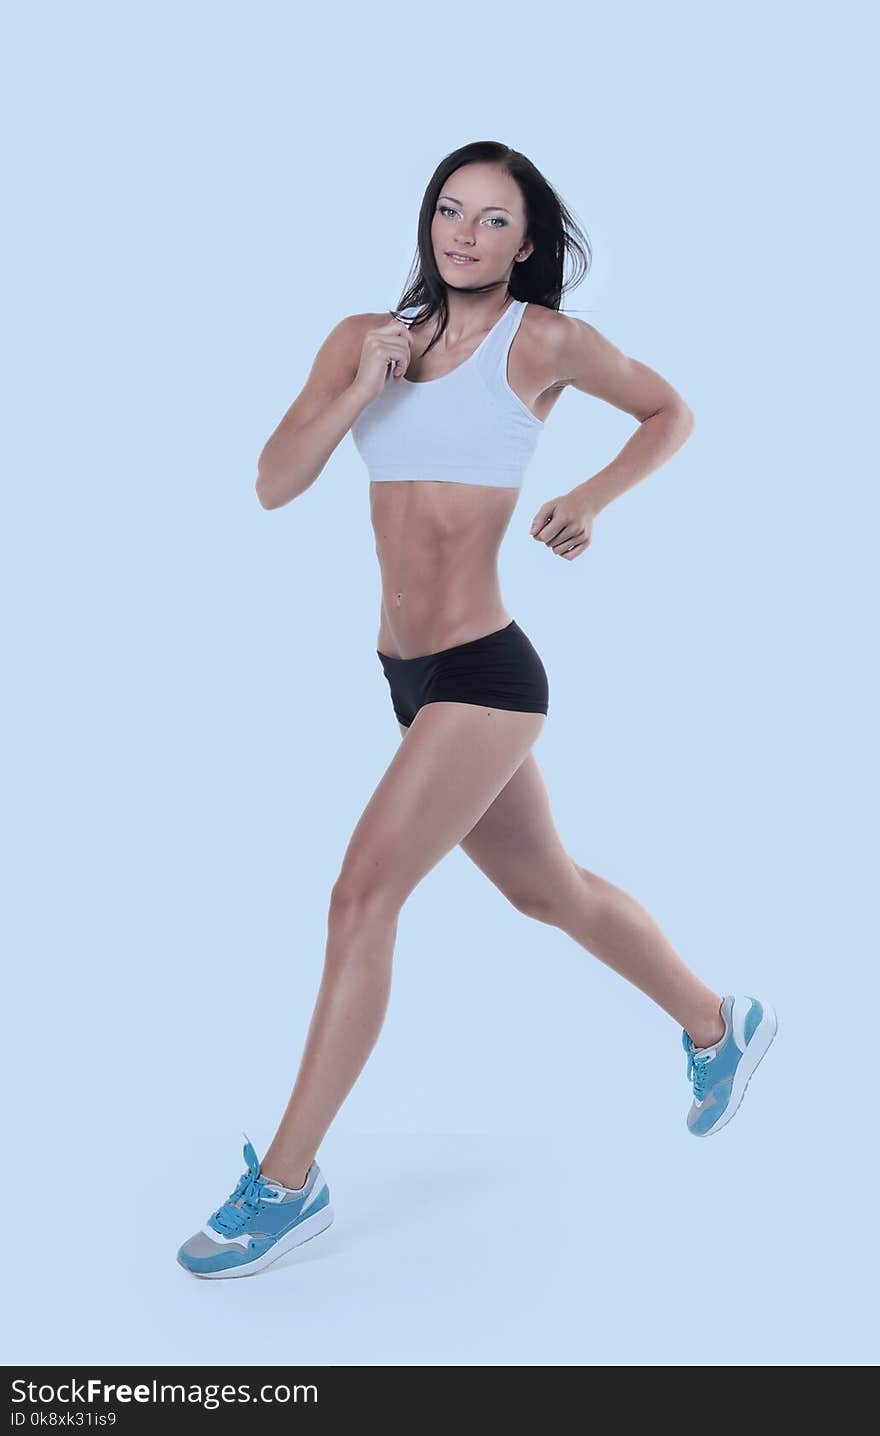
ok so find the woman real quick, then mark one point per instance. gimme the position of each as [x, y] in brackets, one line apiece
[446, 401]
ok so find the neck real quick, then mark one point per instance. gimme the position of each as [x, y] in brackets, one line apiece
[471, 311]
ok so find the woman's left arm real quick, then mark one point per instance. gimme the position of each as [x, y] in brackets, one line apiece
[589, 362]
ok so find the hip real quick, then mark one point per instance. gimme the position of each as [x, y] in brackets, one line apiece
[500, 669]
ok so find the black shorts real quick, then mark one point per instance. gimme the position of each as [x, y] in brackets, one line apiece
[500, 670]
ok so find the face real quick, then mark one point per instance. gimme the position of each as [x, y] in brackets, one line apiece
[479, 213]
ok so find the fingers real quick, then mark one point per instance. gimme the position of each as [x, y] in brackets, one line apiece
[570, 537]
[552, 528]
[394, 339]
[567, 535]
[564, 537]
[399, 364]
[400, 350]
[556, 531]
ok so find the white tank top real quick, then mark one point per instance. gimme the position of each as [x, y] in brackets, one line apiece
[467, 427]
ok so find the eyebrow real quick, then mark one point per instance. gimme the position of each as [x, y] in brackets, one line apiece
[483, 210]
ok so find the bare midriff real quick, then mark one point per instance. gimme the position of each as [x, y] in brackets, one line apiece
[437, 545]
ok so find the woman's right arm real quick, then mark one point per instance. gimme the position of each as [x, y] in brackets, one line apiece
[347, 374]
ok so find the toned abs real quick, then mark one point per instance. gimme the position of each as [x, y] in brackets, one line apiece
[437, 545]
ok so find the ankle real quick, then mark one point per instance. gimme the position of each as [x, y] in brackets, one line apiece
[293, 1177]
[709, 1031]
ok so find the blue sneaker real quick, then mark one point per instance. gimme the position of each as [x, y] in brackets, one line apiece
[721, 1073]
[258, 1223]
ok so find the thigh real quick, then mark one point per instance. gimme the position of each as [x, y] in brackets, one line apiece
[456, 759]
[515, 843]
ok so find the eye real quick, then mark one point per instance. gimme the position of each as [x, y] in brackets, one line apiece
[445, 209]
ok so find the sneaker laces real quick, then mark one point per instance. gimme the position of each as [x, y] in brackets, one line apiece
[697, 1064]
[243, 1203]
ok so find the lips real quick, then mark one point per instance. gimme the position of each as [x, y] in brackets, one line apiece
[460, 258]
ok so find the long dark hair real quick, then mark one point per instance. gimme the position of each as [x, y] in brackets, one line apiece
[550, 226]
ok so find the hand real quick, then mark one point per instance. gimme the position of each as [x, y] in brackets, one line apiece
[386, 346]
[565, 524]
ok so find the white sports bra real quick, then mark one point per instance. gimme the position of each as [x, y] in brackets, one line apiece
[467, 427]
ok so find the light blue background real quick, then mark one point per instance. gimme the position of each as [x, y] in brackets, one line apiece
[197, 716]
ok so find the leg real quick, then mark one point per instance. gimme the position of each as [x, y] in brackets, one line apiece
[454, 763]
[515, 843]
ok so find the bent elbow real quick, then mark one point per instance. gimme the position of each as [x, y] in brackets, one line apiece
[262, 491]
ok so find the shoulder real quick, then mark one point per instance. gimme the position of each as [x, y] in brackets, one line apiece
[358, 324]
[355, 326]
[562, 339]
[548, 341]
[578, 354]
[348, 331]
[344, 342]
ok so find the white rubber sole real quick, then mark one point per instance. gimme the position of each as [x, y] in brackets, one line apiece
[761, 1038]
[302, 1232]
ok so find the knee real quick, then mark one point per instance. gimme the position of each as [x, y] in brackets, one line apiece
[359, 899]
[551, 900]
[541, 906]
